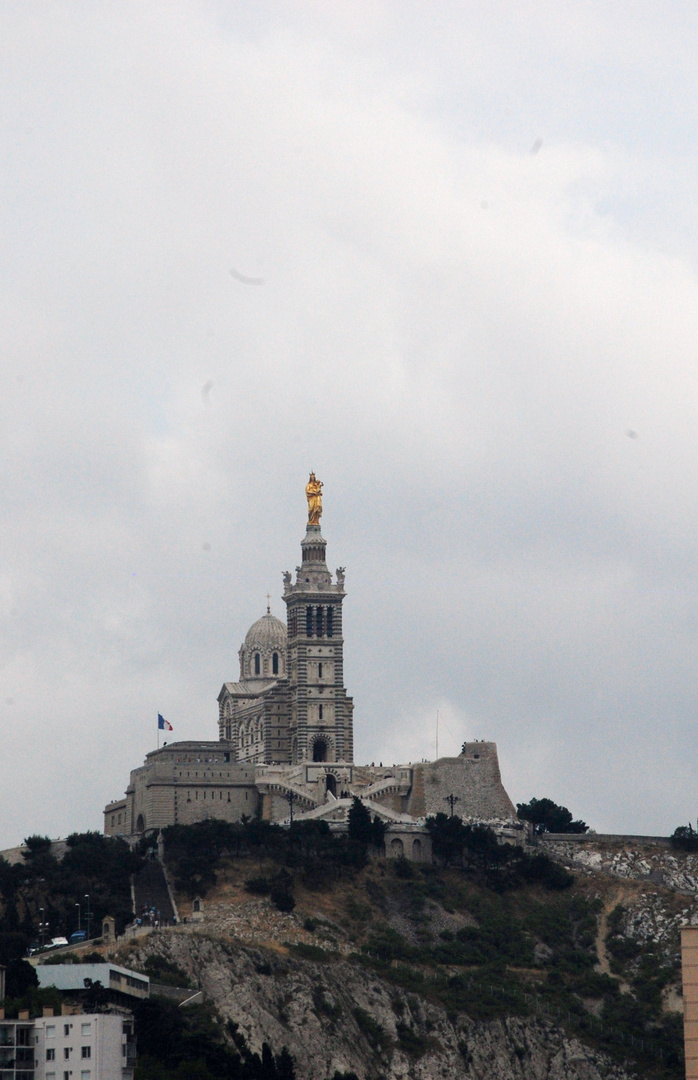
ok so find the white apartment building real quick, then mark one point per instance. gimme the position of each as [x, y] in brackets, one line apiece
[75, 1046]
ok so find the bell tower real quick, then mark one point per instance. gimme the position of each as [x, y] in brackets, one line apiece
[321, 727]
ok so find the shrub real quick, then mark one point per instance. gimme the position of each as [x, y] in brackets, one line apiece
[371, 1029]
[259, 886]
[282, 898]
[403, 868]
[411, 1040]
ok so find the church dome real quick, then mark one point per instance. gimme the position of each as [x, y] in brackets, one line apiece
[267, 633]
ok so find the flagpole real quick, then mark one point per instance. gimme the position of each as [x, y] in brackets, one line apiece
[158, 724]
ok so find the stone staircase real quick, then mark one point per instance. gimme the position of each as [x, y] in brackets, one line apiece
[150, 891]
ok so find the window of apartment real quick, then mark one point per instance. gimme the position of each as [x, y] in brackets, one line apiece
[51, 1054]
[50, 1031]
[85, 1074]
[86, 1029]
[86, 1052]
[66, 1076]
[66, 1029]
[66, 1051]
[50, 1076]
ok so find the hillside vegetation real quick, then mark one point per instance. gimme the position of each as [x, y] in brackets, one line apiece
[497, 963]
[493, 934]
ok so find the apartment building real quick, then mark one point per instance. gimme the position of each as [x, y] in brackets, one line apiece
[73, 1046]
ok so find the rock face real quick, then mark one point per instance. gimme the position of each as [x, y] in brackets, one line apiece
[678, 872]
[337, 1016]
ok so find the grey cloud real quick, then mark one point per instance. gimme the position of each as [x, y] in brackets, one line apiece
[467, 385]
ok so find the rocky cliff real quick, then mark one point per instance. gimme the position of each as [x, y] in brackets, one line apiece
[337, 1017]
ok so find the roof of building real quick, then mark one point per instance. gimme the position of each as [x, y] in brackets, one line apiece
[72, 977]
[247, 689]
[266, 632]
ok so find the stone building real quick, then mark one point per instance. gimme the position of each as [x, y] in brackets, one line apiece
[285, 736]
[90, 1046]
[290, 704]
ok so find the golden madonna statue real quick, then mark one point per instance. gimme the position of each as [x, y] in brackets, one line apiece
[313, 493]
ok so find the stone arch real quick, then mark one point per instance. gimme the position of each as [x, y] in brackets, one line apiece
[315, 747]
[140, 823]
[417, 849]
[397, 848]
[331, 784]
[320, 749]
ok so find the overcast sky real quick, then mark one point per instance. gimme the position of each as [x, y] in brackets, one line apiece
[446, 255]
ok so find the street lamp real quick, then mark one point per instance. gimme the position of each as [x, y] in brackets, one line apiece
[42, 927]
[89, 913]
[78, 907]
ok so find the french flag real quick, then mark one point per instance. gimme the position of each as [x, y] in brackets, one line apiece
[163, 724]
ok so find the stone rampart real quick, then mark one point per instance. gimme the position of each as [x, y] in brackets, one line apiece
[473, 778]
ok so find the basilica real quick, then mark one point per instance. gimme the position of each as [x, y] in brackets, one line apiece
[285, 747]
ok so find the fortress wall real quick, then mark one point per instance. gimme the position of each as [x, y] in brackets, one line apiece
[159, 805]
[243, 800]
[279, 807]
[163, 796]
[473, 777]
[116, 819]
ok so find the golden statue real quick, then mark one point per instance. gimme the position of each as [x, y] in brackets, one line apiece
[313, 493]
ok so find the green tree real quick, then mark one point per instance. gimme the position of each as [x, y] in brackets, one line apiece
[684, 838]
[359, 820]
[547, 816]
[36, 845]
[447, 838]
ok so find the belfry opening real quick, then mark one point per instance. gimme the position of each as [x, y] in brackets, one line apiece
[320, 750]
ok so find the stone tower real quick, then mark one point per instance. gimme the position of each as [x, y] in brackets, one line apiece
[320, 722]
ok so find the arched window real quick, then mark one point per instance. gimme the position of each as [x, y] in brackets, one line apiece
[319, 622]
[257, 664]
[308, 622]
[319, 750]
[330, 621]
[275, 664]
[417, 850]
[331, 784]
[140, 823]
[319, 710]
[396, 848]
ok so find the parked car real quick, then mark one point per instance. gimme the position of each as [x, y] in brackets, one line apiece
[54, 943]
[77, 936]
